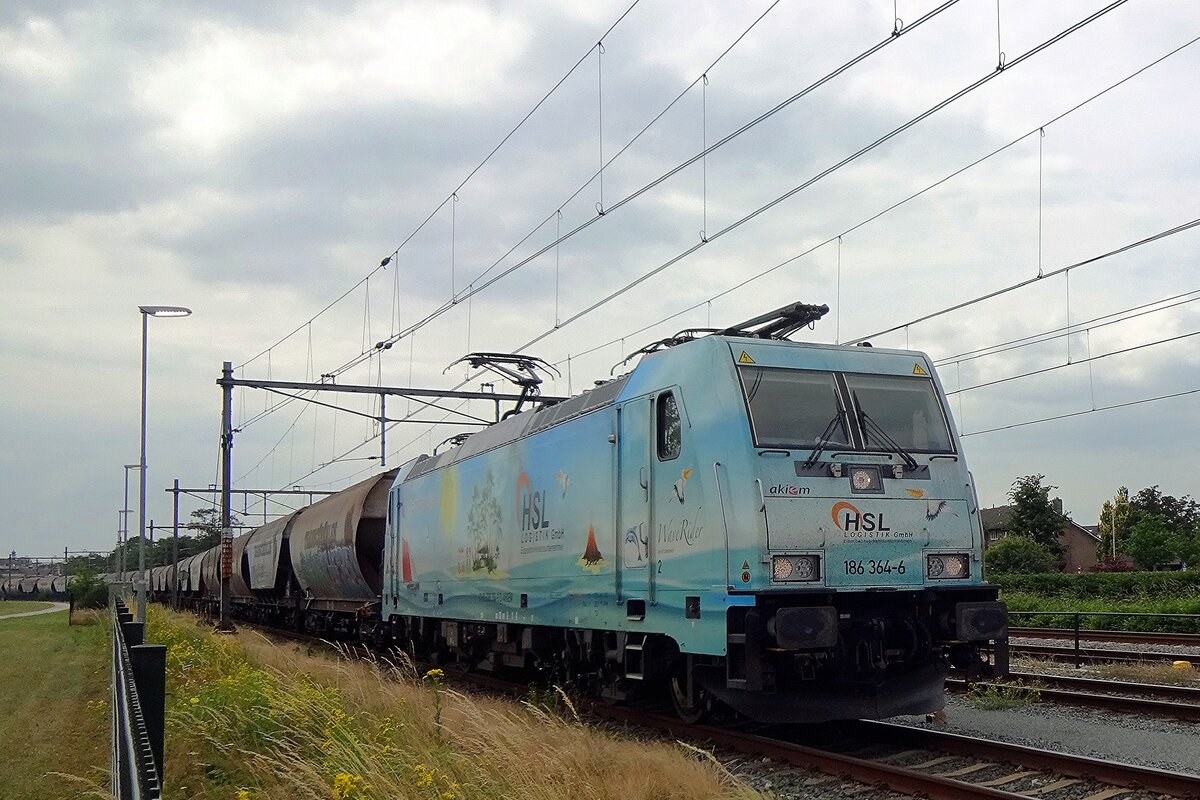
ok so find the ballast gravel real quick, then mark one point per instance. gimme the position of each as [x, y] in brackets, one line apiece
[1156, 743]
[1146, 741]
[1184, 651]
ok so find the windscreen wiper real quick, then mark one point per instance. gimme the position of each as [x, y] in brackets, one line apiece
[822, 440]
[869, 424]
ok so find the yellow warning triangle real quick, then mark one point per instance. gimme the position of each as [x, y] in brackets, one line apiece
[918, 371]
[745, 565]
[745, 358]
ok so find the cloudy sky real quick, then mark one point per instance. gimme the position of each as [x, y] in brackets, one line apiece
[256, 162]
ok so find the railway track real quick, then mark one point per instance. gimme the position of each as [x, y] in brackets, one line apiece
[934, 764]
[1150, 699]
[1124, 637]
[1097, 654]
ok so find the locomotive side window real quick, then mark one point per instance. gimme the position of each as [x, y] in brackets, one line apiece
[907, 409]
[670, 434]
[793, 408]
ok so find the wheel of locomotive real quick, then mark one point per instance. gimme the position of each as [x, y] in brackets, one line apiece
[691, 710]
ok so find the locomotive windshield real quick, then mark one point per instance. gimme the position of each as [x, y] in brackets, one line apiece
[905, 408]
[800, 408]
[792, 407]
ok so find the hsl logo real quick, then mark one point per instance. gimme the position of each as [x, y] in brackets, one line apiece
[849, 518]
[531, 505]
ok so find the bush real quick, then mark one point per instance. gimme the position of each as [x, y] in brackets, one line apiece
[1111, 564]
[86, 590]
[1110, 586]
[1017, 555]
[1055, 612]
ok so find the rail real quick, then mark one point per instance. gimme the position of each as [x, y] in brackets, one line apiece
[1076, 628]
[138, 706]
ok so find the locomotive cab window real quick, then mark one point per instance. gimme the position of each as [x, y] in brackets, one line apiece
[906, 409]
[670, 433]
[791, 407]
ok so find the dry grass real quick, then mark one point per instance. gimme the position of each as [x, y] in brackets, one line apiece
[1147, 672]
[256, 720]
[1150, 673]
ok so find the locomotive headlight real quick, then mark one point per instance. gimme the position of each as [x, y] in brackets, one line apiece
[865, 479]
[956, 566]
[947, 565]
[806, 567]
[795, 568]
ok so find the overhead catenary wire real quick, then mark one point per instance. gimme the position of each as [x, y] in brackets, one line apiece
[827, 171]
[397, 335]
[1021, 284]
[482, 285]
[458, 188]
[1026, 55]
[1068, 415]
[886, 137]
[1112, 318]
[898, 204]
[1088, 360]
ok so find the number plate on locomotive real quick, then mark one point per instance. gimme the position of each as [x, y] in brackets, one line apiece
[873, 567]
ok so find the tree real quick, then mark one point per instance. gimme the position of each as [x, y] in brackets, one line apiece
[87, 590]
[1180, 515]
[1018, 555]
[1033, 515]
[206, 528]
[1114, 516]
[1150, 542]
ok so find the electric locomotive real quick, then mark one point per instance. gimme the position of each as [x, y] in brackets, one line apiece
[788, 529]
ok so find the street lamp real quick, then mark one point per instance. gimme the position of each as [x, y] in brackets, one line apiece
[147, 312]
[125, 521]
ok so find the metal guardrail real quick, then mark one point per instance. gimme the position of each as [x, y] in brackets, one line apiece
[1077, 619]
[138, 707]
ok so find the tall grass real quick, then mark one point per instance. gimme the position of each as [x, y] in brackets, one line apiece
[249, 720]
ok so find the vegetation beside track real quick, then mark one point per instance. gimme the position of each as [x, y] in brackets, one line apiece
[1134, 592]
[54, 706]
[21, 606]
[1054, 613]
[250, 719]
[1105, 585]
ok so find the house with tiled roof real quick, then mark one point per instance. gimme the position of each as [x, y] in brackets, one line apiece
[1079, 542]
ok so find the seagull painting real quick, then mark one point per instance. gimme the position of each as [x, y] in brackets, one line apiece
[679, 484]
[935, 507]
[564, 480]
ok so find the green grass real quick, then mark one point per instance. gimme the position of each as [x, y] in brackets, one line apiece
[21, 606]
[1055, 615]
[53, 706]
[1002, 696]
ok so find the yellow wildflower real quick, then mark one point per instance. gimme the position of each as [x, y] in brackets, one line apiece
[424, 775]
[345, 784]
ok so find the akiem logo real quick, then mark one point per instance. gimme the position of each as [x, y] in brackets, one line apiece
[851, 520]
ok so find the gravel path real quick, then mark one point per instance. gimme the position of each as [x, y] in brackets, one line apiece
[1185, 650]
[1163, 744]
[54, 607]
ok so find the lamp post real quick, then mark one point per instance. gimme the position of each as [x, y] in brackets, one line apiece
[123, 533]
[147, 312]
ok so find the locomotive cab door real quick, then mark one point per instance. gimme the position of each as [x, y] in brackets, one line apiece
[634, 542]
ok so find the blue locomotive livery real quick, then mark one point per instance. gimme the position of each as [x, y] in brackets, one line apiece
[789, 529]
[786, 529]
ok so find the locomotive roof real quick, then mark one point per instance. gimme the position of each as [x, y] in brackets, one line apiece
[525, 424]
[531, 422]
